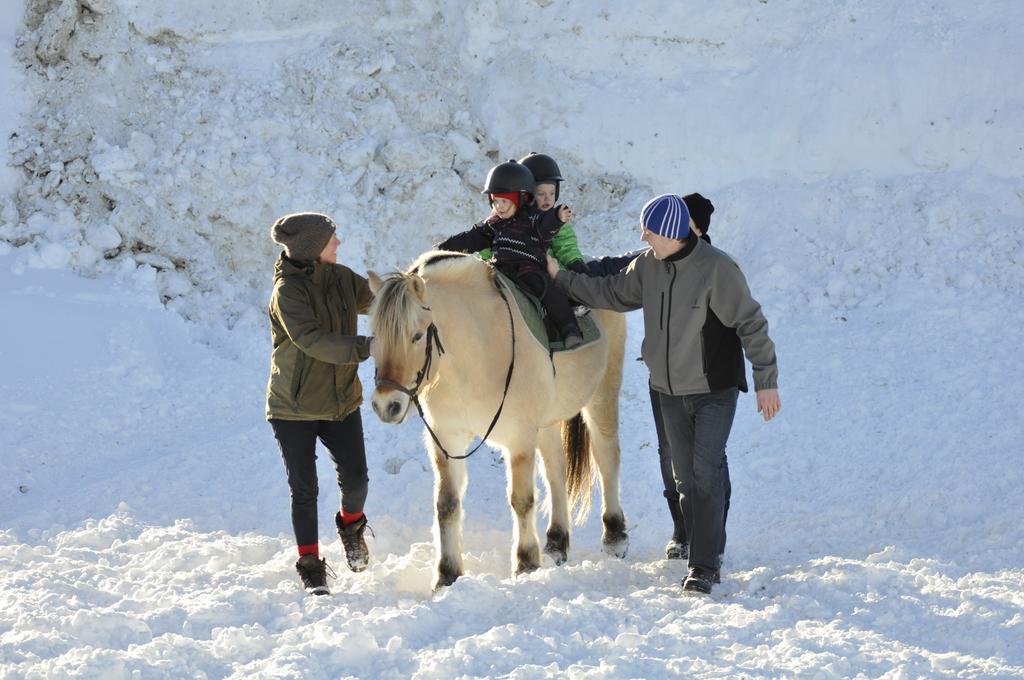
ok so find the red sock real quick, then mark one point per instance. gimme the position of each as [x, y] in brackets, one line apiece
[311, 549]
[349, 517]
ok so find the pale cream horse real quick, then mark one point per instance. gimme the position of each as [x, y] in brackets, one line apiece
[445, 334]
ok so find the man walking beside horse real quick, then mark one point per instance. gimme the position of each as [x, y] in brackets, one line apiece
[691, 293]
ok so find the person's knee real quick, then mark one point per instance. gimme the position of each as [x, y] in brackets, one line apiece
[707, 474]
[304, 493]
[357, 471]
[535, 281]
[682, 488]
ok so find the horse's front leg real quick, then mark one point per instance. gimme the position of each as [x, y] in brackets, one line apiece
[557, 546]
[521, 496]
[449, 488]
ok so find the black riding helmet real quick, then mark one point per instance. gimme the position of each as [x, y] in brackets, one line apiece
[544, 168]
[510, 177]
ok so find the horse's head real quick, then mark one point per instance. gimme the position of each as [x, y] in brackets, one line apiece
[405, 342]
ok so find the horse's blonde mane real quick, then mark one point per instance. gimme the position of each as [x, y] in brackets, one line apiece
[393, 310]
[396, 306]
[442, 265]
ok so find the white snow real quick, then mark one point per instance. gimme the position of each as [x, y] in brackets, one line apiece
[865, 159]
[13, 98]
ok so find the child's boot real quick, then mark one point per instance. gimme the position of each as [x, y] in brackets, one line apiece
[571, 335]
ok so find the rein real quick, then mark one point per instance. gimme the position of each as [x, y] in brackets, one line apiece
[432, 337]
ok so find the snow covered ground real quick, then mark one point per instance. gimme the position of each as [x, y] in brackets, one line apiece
[866, 162]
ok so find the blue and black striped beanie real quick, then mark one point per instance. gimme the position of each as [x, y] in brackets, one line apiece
[667, 216]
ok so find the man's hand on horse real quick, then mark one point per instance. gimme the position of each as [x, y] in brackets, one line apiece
[552, 266]
[768, 403]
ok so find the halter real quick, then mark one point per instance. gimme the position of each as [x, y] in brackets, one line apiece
[432, 337]
[413, 394]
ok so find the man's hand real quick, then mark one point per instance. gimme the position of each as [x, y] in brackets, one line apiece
[564, 214]
[578, 266]
[768, 403]
[552, 267]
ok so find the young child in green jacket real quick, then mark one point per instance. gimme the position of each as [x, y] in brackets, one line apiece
[520, 238]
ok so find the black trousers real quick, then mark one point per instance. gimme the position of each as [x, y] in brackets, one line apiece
[697, 427]
[344, 442]
[556, 302]
[667, 476]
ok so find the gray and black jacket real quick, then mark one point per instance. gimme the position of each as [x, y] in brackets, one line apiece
[699, 318]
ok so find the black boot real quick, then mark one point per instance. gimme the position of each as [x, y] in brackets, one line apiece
[313, 572]
[571, 335]
[677, 547]
[700, 580]
[356, 552]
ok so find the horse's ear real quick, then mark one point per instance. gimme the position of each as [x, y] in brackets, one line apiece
[419, 287]
[375, 282]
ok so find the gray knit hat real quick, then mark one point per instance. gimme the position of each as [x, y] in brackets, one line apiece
[303, 235]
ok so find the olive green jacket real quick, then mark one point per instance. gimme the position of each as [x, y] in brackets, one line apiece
[316, 349]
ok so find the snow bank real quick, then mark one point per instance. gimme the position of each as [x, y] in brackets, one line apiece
[12, 94]
[171, 136]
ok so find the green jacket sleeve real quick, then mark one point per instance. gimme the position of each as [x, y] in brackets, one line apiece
[295, 312]
[485, 254]
[564, 246]
[622, 292]
[735, 307]
[361, 288]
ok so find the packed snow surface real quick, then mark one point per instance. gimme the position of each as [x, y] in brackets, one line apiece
[865, 160]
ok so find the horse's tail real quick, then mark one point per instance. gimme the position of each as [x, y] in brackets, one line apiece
[576, 442]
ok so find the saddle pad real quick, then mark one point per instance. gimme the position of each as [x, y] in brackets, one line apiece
[533, 312]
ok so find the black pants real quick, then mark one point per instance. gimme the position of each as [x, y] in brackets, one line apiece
[344, 442]
[556, 302]
[667, 476]
[697, 427]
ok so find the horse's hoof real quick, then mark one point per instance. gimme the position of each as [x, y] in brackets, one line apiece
[617, 547]
[557, 547]
[444, 580]
[525, 568]
[527, 560]
[447, 573]
[615, 540]
[557, 555]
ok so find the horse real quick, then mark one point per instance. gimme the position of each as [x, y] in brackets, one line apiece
[448, 340]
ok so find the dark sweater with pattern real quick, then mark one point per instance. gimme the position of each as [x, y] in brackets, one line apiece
[518, 243]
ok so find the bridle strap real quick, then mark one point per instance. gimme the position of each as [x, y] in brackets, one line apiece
[508, 381]
[432, 337]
